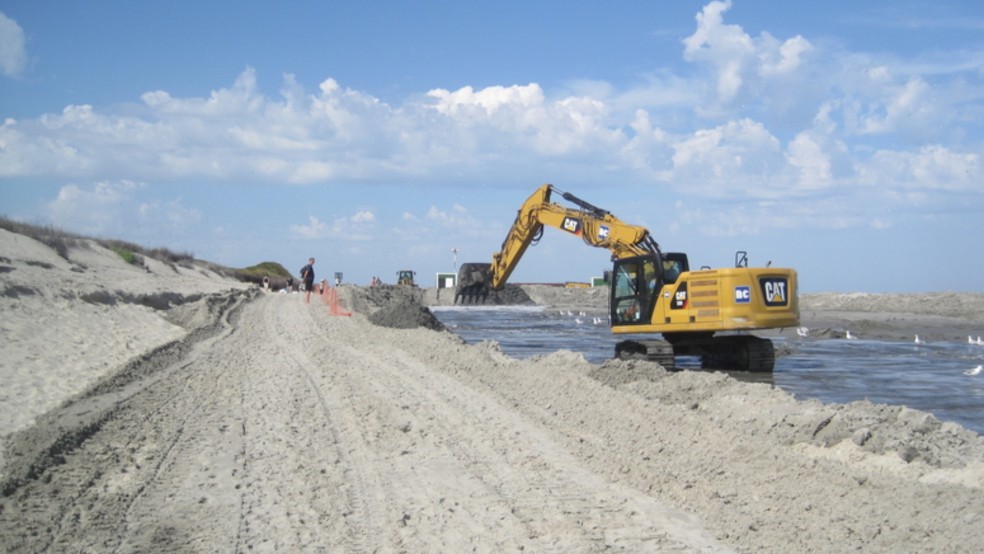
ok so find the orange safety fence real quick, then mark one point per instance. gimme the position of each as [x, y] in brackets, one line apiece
[330, 298]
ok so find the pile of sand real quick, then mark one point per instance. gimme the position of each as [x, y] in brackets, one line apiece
[161, 408]
[396, 306]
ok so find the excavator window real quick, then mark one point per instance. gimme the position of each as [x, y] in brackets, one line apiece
[671, 270]
[674, 263]
[635, 282]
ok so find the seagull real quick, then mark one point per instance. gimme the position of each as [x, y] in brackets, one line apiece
[578, 320]
[975, 371]
[919, 340]
[979, 341]
[802, 331]
[597, 321]
[850, 336]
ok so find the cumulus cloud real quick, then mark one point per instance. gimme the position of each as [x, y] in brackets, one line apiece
[171, 212]
[97, 209]
[734, 159]
[488, 100]
[811, 164]
[457, 216]
[737, 60]
[364, 216]
[13, 47]
[357, 226]
[931, 168]
[314, 229]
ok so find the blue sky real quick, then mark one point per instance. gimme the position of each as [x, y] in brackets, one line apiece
[843, 139]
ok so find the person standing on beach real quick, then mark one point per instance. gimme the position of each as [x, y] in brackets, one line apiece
[307, 275]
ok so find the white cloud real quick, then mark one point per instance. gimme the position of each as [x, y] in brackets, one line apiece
[122, 209]
[338, 135]
[931, 168]
[905, 106]
[13, 47]
[98, 210]
[522, 119]
[738, 60]
[458, 216]
[364, 216]
[749, 219]
[488, 100]
[170, 213]
[734, 159]
[811, 163]
[779, 58]
[358, 227]
[315, 229]
[437, 225]
[243, 97]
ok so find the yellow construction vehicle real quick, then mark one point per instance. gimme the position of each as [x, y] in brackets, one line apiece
[405, 277]
[706, 313]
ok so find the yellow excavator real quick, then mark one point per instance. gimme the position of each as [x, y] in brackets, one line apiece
[706, 312]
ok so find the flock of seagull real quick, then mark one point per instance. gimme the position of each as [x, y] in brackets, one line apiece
[805, 332]
[580, 317]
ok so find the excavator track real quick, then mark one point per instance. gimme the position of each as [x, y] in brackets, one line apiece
[658, 351]
[730, 352]
[740, 352]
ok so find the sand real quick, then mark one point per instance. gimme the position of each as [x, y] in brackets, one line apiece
[168, 409]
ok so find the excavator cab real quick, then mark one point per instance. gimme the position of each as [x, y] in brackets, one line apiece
[637, 282]
[633, 282]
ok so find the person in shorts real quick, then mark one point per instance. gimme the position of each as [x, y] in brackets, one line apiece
[307, 275]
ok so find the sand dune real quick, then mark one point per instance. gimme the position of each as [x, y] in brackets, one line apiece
[163, 408]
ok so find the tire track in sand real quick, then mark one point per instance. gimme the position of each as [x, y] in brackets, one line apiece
[299, 444]
[433, 457]
[294, 431]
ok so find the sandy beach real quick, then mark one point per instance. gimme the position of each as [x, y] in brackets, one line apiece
[166, 408]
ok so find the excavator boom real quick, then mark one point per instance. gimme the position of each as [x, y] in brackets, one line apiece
[595, 226]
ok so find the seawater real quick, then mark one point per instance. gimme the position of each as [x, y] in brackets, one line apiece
[928, 377]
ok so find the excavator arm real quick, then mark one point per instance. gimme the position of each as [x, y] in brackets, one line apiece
[595, 226]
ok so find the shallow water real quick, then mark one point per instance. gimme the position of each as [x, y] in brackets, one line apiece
[927, 377]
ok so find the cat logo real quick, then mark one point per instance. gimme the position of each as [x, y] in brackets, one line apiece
[774, 291]
[571, 225]
[679, 301]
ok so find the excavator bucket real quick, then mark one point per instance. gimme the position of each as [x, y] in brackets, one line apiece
[474, 283]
